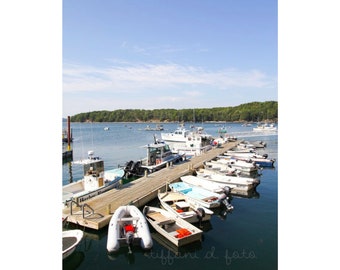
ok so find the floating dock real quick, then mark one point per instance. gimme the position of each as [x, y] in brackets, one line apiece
[96, 213]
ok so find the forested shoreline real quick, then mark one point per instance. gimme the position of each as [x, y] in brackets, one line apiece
[248, 112]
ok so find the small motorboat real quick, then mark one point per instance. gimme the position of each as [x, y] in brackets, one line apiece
[201, 196]
[173, 228]
[128, 227]
[180, 205]
[71, 239]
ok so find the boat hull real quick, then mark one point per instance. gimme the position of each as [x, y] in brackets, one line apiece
[71, 239]
[124, 216]
[194, 213]
[176, 230]
[201, 196]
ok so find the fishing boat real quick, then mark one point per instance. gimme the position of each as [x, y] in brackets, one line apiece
[176, 230]
[180, 205]
[128, 227]
[95, 180]
[202, 196]
[158, 156]
[71, 239]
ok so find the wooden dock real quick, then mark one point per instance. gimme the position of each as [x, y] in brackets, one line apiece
[96, 213]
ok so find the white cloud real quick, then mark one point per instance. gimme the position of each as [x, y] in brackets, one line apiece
[131, 78]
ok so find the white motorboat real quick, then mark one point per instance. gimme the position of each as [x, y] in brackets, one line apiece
[71, 239]
[201, 196]
[259, 160]
[128, 227]
[216, 187]
[95, 180]
[236, 183]
[180, 205]
[265, 128]
[173, 228]
[190, 142]
[226, 164]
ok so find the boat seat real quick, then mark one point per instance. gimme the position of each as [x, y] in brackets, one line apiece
[128, 219]
[161, 220]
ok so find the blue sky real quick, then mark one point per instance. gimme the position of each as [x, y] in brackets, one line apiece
[151, 54]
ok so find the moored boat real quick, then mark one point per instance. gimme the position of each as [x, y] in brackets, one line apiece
[71, 239]
[208, 185]
[190, 142]
[180, 205]
[95, 180]
[158, 156]
[245, 167]
[173, 228]
[128, 227]
[236, 183]
[202, 196]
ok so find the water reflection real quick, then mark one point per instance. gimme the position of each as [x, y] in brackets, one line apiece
[74, 260]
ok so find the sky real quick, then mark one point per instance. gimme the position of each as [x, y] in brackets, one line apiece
[151, 54]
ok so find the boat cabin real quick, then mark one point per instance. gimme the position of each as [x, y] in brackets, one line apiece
[157, 153]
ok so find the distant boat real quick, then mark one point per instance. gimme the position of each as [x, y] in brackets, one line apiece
[128, 227]
[173, 228]
[106, 128]
[71, 239]
[157, 128]
[95, 180]
[265, 128]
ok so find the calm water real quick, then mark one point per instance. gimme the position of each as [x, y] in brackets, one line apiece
[243, 239]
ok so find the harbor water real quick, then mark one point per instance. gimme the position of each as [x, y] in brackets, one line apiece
[246, 238]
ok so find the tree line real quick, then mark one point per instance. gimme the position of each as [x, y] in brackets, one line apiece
[248, 112]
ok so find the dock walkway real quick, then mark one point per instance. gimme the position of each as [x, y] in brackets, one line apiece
[96, 213]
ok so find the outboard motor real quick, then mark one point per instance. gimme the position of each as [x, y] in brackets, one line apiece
[226, 190]
[228, 205]
[225, 200]
[129, 239]
[127, 168]
[200, 215]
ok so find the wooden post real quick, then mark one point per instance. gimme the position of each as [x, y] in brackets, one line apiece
[108, 209]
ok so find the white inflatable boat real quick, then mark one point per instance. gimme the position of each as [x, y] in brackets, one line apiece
[128, 227]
